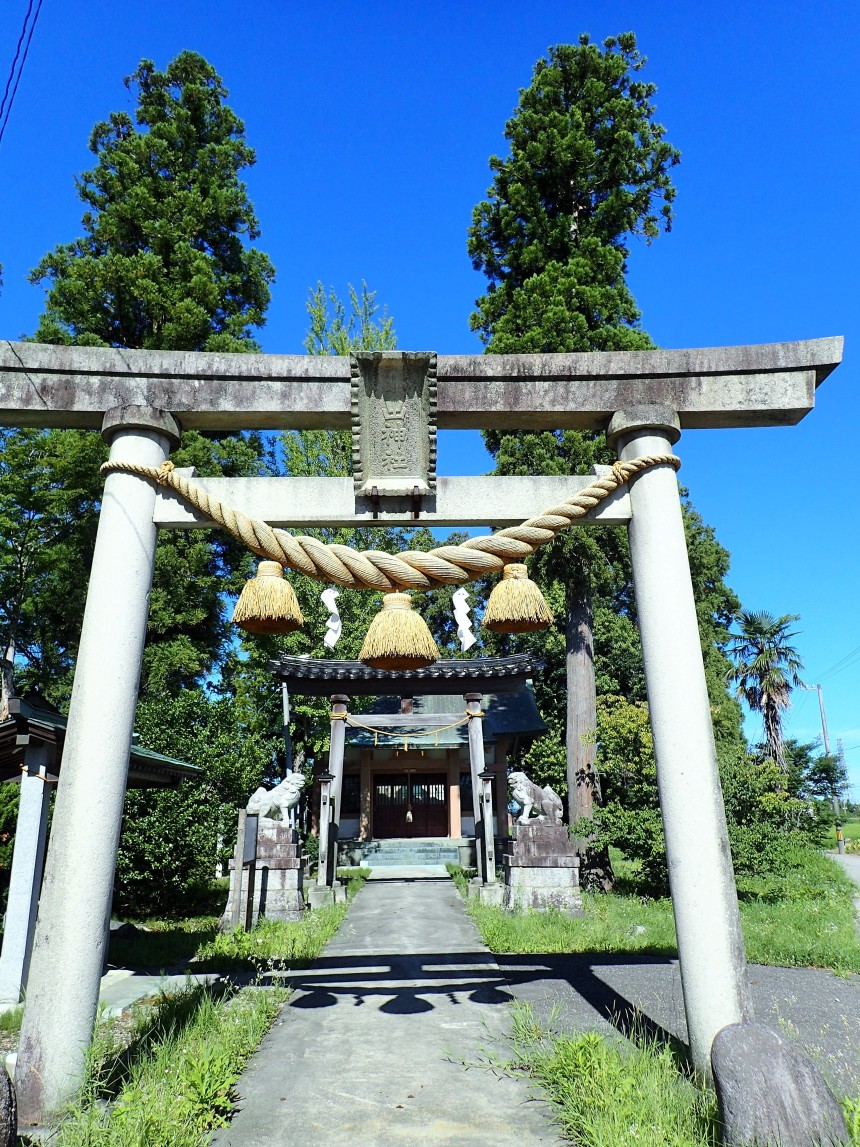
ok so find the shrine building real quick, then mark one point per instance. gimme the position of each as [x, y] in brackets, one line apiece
[403, 769]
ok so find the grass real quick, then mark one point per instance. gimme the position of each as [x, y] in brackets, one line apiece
[197, 943]
[802, 918]
[162, 944]
[273, 944]
[10, 1020]
[606, 1093]
[175, 1085]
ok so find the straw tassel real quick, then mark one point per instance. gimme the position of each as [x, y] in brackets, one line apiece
[268, 603]
[516, 604]
[398, 637]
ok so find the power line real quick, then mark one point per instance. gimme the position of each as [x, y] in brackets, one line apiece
[843, 663]
[4, 106]
[15, 61]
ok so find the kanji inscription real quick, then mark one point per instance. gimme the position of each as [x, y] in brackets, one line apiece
[394, 423]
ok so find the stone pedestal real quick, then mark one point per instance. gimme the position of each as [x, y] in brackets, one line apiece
[322, 896]
[541, 869]
[277, 891]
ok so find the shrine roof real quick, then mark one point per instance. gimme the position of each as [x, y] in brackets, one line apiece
[322, 677]
[35, 718]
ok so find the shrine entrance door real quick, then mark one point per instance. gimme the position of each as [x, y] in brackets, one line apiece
[410, 804]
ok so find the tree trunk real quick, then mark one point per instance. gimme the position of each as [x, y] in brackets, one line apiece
[582, 780]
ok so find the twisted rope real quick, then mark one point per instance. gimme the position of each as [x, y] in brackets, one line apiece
[413, 569]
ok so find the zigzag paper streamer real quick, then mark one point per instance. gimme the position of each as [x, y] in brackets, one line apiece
[460, 599]
[334, 626]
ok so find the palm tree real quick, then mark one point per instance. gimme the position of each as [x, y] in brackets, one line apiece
[766, 669]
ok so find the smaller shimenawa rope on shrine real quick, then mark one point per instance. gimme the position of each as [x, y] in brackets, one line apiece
[412, 569]
[404, 737]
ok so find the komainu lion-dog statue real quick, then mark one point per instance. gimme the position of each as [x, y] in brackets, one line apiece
[532, 796]
[280, 799]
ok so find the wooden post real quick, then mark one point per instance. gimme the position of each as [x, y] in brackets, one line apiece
[238, 871]
[476, 763]
[486, 779]
[337, 743]
[249, 860]
[25, 877]
[324, 868]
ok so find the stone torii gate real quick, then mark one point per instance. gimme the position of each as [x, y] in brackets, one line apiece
[139, 399]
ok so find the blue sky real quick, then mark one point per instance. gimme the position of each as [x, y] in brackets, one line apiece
[373, 124]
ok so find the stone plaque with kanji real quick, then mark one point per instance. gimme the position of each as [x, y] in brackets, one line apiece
[393, 423]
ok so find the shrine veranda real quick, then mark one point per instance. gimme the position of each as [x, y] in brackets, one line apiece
[393, 402]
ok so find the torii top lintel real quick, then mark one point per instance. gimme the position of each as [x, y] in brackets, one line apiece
[771, 384]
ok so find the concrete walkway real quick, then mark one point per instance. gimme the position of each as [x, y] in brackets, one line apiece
[850, 861]
[388, 1038]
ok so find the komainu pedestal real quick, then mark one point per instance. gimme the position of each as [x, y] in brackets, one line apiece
[541, 869]
[277, 890]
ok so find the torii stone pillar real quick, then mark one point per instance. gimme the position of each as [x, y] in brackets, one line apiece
[704, 898]
[74, 912]
[25, 877]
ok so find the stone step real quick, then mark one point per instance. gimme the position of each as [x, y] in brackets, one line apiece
[400, 852]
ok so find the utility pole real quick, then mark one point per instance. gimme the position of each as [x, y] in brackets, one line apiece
[837, 811]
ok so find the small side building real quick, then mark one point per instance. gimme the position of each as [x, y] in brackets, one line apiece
[31, 754]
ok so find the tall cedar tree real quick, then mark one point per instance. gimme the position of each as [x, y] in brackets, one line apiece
[588, 170]
[165, 263]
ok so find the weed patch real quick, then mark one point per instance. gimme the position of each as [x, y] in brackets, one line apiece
[175, 1083]
[10, 1020]
[272, 944]
[800, 918]
[606, 1093]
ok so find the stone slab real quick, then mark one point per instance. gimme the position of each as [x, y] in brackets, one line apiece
[770, 1091]
[541, 887]
[407, 872]
[766, 385]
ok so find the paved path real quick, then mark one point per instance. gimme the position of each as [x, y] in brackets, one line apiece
[372, 1050]
[850, 861]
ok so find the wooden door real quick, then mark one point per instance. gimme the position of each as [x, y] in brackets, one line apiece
[429, 804]
[390, 804]
[410, 805]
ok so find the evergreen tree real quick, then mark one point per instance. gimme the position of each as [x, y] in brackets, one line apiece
[588, 170]
[164, 262]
